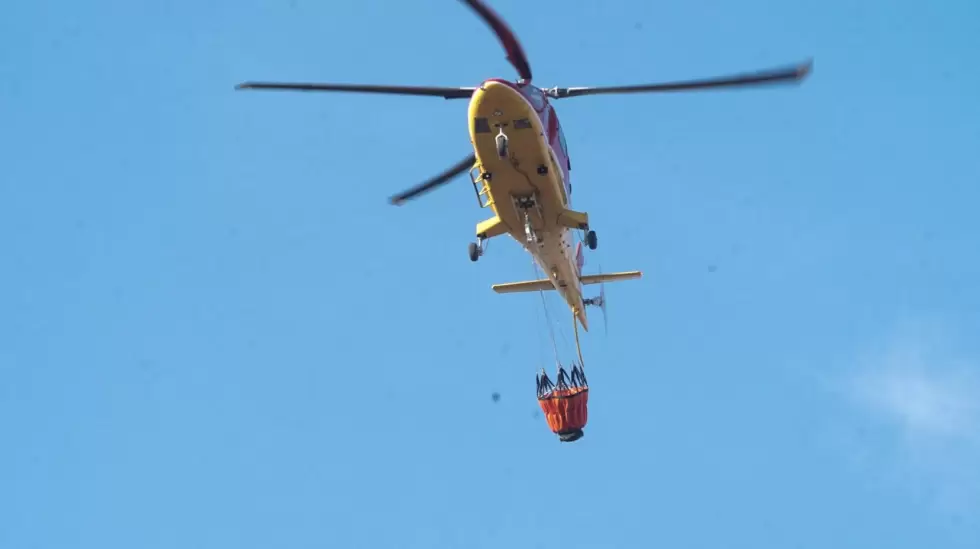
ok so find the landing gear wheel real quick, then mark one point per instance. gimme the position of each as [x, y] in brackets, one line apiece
[591, 240]
[474, 251]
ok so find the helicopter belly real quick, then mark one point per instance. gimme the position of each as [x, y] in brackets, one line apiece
[556, 256]
[526, 166]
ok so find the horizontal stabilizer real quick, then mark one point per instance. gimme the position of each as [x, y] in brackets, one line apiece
[529, 286]
[610, 277]
[545, 284]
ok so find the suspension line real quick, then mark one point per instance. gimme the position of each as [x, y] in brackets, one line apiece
[547, 316]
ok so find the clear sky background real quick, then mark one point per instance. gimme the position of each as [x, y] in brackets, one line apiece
[216, 333]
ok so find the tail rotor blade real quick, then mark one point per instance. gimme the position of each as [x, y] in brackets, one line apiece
[515, 53]
[602, 301]
[434, 182]
[602, 296]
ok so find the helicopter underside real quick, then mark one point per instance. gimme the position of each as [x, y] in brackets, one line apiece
[516, 163]
[521, 176]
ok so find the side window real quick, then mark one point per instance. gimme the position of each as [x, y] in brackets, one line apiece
[535, 96]
[564, 147]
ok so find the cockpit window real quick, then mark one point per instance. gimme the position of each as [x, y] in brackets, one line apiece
[535, 96]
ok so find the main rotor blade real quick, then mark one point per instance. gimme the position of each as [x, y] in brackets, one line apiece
[515, 54]
[436, 181]
[781, 75]
[448, 93]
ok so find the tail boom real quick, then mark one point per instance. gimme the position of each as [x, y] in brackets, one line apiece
[582, 318]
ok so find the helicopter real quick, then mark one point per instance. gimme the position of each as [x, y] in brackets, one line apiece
[520, 163]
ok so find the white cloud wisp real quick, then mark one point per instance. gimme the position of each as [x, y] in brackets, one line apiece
[929, 402]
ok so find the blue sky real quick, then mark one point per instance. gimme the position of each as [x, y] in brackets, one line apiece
[217, 333]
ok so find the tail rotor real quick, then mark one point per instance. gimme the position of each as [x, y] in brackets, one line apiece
[602, 304]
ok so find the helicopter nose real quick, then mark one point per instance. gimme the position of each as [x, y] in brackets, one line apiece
[499, 93]
[498, 103]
